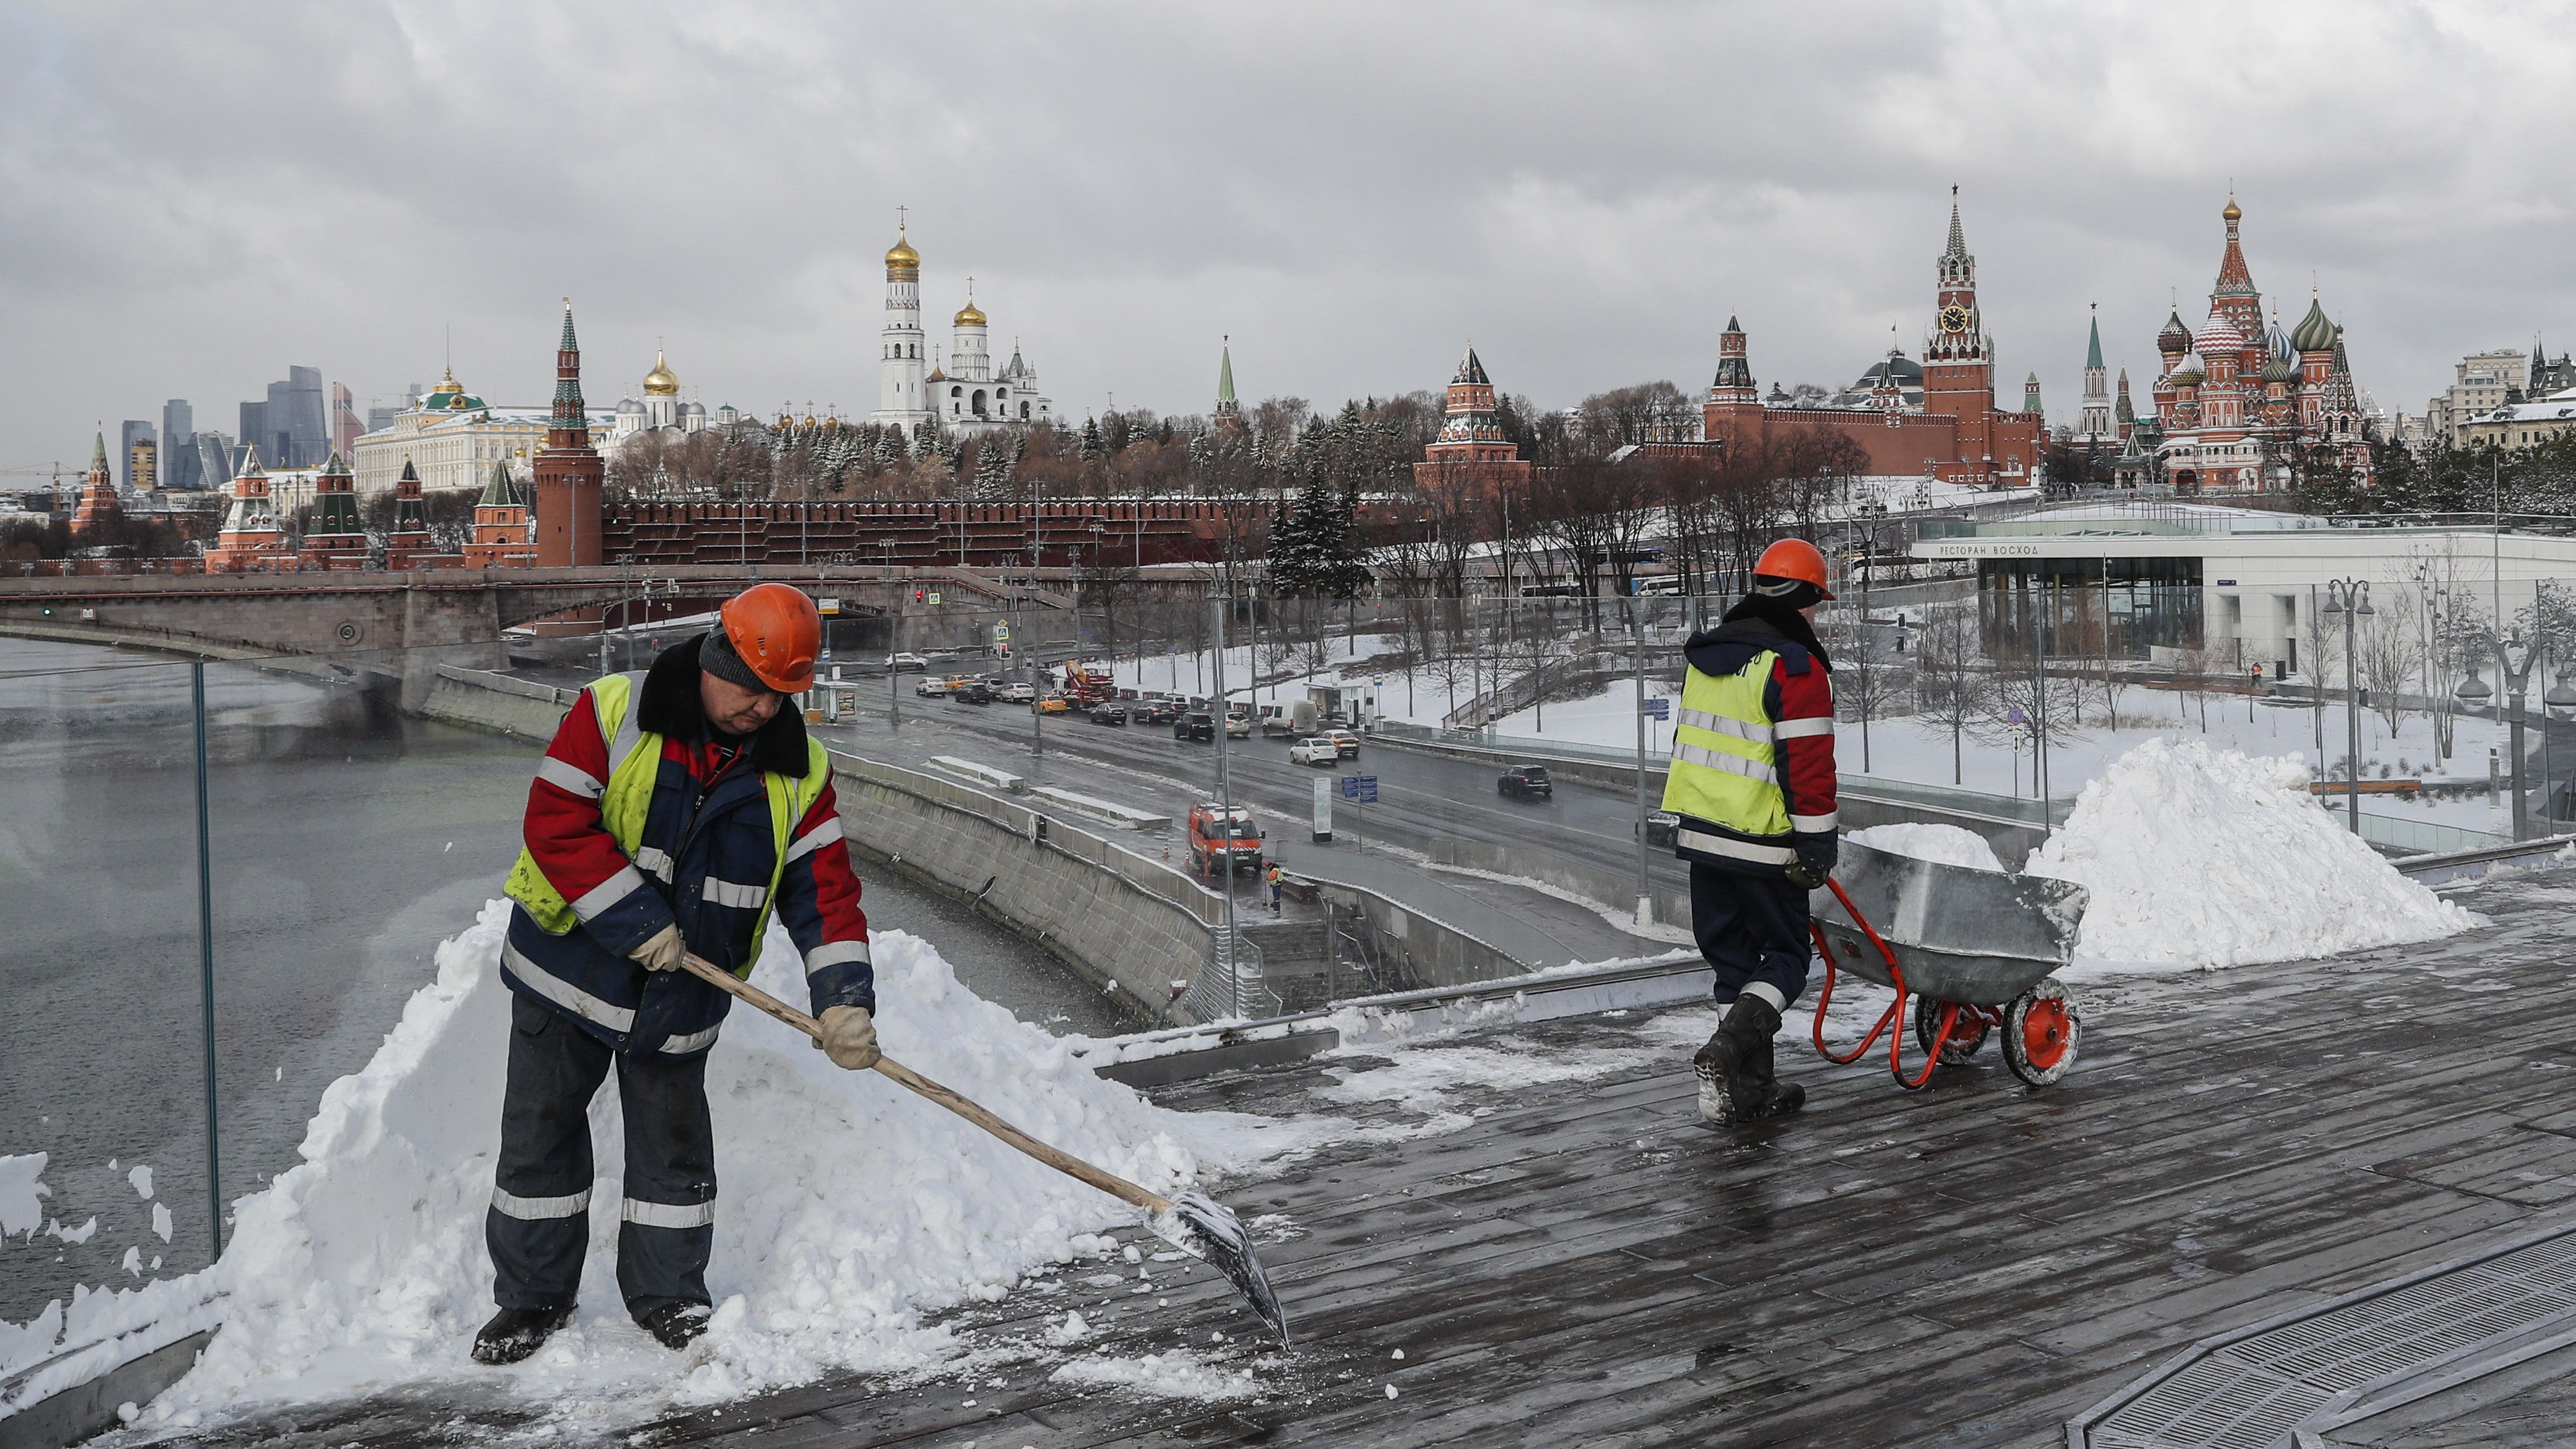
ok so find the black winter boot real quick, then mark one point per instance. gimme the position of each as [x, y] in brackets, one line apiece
[677, 1325]
[1736, 1078]
[514, 1333]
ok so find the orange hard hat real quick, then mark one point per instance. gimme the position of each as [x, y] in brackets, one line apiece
[777, 632]
[1794, 558]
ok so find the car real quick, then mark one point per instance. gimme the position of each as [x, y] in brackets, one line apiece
[1161, 711]
[1196, 725]
[977, 692]
[1109, 714]
[1017, 692]
[931, 688]
[1053, 704]
[1314, 750]
[1525, 782]
[1344, 741]
[1663, 828]
[1238, 727]
[909, 661]
[1223, 840]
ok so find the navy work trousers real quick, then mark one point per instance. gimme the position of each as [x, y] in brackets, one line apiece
[538, 1226]
[1750, 928]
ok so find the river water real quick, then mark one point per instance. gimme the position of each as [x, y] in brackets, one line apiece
[348, 840]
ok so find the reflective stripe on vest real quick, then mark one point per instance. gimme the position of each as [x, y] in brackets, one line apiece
[1725, 767]
[634, 763]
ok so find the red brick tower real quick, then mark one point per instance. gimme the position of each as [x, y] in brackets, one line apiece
[1471, 452]
[569, 470]
[99, 507]
[407, 542]
[334, 538]
[500, 526]
[250, 538]
[1958, 357]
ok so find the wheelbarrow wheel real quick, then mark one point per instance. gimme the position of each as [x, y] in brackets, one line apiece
[1967, 1034]
[2042, 1030]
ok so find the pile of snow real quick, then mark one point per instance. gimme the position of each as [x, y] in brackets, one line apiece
[2206, 858]
[1940, 844]
[847, 1208]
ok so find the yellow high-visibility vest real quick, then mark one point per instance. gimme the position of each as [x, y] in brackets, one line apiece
[1726, 765]
[634, 762]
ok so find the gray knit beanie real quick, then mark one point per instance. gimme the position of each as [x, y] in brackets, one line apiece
[717, 657]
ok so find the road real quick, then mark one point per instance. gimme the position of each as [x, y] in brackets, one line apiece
[1420, 797]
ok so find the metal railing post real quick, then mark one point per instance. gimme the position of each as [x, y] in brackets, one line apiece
[206, 967]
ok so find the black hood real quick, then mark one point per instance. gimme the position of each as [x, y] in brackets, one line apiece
[1753, 625]
[669, 705]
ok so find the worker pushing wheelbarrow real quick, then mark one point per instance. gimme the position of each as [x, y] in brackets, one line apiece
[1973, 952]
[1752, 788]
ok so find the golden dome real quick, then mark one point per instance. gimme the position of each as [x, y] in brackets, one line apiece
[969, 315]
[659, 382]
[2233, 211]
[901, 257]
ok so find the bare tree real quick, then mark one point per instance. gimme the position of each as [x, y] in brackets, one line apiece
[2390, 656]
[1955, 696]
[2194, 668]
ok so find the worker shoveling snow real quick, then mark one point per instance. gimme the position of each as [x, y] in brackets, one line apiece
[851, 1208]
[2205, 858]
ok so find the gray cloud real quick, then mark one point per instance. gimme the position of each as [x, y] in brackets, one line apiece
[193, 197]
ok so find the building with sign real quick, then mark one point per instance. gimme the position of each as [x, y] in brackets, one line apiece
[2157, 582]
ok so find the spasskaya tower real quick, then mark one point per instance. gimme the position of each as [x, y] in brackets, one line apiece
[1958, 356]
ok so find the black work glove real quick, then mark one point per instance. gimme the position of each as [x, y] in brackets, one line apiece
[1817, 851]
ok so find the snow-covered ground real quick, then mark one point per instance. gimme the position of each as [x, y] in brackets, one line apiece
[849, 1210]
[1919, 749]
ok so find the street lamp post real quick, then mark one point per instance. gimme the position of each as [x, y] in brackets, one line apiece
[2553, 707]
[2351, 599]
[2514, 658]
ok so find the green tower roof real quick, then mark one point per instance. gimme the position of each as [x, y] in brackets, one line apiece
[2093, 352]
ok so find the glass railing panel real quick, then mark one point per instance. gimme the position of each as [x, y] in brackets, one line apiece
[101, 1060]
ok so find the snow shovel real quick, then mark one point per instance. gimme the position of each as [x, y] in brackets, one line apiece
[1195, 1224]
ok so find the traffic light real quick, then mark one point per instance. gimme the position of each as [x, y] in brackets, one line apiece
[916, 596]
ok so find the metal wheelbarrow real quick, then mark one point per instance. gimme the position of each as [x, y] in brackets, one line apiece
[1973, 950]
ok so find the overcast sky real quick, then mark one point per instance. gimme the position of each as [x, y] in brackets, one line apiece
[194, 196]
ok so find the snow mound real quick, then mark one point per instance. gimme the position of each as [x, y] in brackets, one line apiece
[846, 1209]
[2206, 858]
[1939, 844]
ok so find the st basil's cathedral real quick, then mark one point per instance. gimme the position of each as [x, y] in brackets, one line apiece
[2241, 406]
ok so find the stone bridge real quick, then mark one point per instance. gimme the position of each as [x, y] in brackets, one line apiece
[459, 615]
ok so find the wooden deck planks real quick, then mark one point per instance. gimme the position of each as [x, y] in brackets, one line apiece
[1962, 1266]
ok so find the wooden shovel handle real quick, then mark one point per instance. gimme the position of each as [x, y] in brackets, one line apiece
[1062, 1161]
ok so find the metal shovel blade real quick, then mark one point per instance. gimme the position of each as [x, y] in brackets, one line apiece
[1209, 1230]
